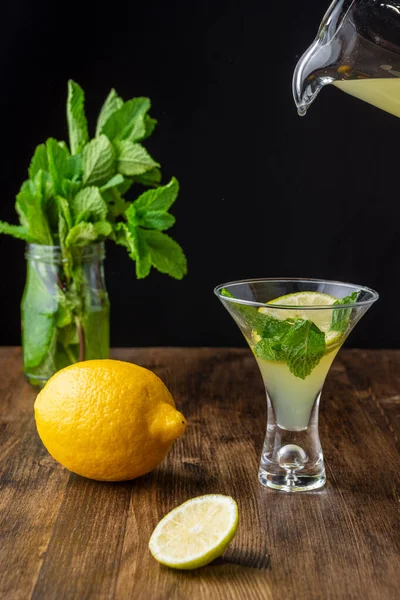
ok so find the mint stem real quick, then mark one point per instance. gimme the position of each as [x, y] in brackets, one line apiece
[81, 338]
[70, 354]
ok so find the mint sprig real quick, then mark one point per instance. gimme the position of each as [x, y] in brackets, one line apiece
[76, 195]
[83, 192]
[297, 342]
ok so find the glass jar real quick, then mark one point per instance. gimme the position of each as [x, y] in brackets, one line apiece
[65, 309]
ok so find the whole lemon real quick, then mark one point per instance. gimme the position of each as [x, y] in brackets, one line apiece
[107, 419]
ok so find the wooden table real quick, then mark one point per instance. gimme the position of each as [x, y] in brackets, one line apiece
[65, 537]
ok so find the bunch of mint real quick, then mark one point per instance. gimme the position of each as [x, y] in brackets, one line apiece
[297, 342]
[76, 195]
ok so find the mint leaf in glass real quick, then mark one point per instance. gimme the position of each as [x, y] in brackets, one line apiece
[249, 313]
[341, 318]
[268, 349]
[39, 314]
[304, 346]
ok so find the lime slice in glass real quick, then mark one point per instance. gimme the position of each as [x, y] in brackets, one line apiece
[321, 318]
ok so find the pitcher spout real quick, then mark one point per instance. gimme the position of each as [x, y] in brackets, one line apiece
[307, 80]
[319, 64]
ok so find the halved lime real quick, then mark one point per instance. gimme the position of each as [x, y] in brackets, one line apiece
[196, 532]
[321, 318]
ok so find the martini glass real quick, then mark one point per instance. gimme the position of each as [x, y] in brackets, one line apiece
[294, 346]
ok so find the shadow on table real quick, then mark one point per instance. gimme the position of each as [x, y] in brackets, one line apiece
[227, 567]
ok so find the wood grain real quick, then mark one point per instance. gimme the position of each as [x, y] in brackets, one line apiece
[64, 537]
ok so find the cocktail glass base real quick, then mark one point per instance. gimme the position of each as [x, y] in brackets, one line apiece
[288, 482]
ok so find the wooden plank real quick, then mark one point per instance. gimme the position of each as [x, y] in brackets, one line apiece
[31, 484]
[67, 537]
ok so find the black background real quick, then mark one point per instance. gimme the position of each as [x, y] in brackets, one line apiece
[263, 192]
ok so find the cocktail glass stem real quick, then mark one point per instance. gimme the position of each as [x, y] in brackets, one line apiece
[292, 458]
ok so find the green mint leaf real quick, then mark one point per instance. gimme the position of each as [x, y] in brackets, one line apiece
[63, 207]
[64, 314]
[161, 198]
[85, 233]
[112, 103]
[273, 333]
[274, 328]
[151, 178]
[77, 124]
[341, 317]
[64, 146]
[132, 238]
[98, 158]
[141, 251]
[166, 255]
[133, 159]
[156, 219]
[115, 181]
[69, 188]
[58, 163]
[17, 231]
[74, 167]
[122, 237]
[267, 350]
[115, 203]
[150, 125]
[128, 122]
[30, 205]
[126, 185]
[39, 305]
[39, 161]
[44, 189]
[63, 231]
[347, 299]
[88, 205]
[64, 225]
[304, 346]
[252, 318]
[38, 331]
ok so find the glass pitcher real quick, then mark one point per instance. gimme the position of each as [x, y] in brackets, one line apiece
[357, 49]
